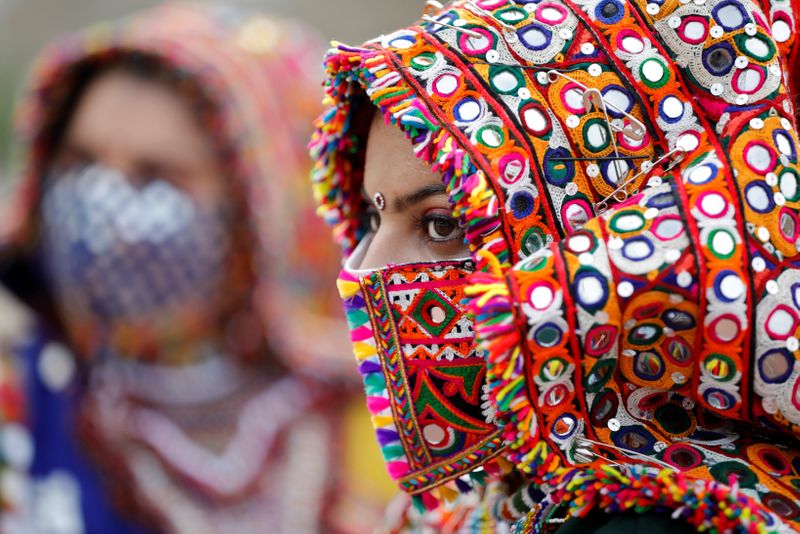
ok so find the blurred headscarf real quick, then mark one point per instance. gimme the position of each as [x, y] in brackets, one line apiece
[250, 81]
[80, 248]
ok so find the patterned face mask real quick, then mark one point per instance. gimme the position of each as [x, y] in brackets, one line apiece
[120, 258]
[423, 377]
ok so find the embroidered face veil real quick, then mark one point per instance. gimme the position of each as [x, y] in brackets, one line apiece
[424, 378]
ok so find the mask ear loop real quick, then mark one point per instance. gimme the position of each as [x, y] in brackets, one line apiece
[353, 262]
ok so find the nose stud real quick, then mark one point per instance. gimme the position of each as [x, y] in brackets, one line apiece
[379, 201]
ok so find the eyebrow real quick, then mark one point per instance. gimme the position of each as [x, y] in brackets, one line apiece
[404, 202]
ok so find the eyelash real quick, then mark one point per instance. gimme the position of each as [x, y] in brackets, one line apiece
[421, 223]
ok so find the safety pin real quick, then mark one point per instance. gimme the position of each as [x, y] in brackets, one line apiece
[588, 454]
[481, 11]
[471, 33]
[629, 453]
[594, 98]
[634, 129]
[607, 158]
[602, 206]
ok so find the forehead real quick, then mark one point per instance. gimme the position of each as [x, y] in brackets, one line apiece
[126, 110]
[391, 166]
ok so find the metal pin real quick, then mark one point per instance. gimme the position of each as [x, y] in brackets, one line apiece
[599, 342]
[481, 11]
[634, 130]
[620, 194]
[583, 455]
[607, 158]
[471, 33]
[554, 75]
[629, 453]
[594, 98]
[586, 454]
[609, 460]
[681, 153]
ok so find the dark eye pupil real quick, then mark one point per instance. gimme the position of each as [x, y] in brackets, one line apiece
[443, 227]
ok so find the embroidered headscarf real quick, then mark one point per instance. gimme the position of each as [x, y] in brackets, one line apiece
[250, 80]
[636, 163]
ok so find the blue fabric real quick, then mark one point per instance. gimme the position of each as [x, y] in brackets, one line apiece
[52, 418]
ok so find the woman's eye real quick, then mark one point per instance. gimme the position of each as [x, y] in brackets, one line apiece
[443, 229]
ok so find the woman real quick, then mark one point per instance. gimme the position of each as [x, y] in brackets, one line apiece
[165, 243]
[635, 162]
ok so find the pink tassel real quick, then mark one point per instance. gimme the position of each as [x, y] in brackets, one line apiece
[360, 334]
[397, 469]
[431, 503]
[377, 404]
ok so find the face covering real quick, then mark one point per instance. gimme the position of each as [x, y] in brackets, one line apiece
[423, 378]
[131, 268]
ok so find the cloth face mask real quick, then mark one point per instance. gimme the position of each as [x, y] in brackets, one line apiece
[424, 380]
[116, 255]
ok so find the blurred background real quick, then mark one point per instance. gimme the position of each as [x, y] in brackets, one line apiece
[50, 497]
[27, 25]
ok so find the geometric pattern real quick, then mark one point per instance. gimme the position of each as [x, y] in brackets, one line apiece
[422, 376]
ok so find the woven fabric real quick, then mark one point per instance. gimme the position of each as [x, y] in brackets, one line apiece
[424, 379]
[636, 162]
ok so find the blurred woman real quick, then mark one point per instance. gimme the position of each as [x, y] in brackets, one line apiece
[181, 374]
[612, 185]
